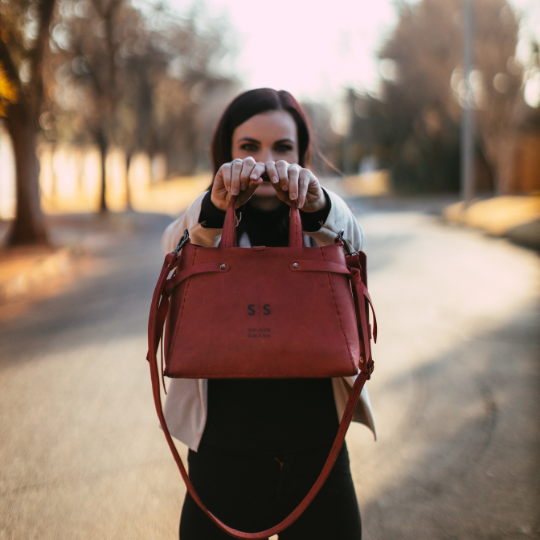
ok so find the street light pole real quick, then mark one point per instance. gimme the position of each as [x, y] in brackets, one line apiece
[467, 117]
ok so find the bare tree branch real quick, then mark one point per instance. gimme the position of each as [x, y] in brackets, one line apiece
[7, 62]
[46, 9]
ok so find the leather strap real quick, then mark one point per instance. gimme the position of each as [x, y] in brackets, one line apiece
[202, 268]
[158, 313]
[318, 266]
[296, 234]
[228, 236]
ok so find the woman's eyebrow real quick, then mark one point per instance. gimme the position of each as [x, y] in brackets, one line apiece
[249, 139]
[284, 141]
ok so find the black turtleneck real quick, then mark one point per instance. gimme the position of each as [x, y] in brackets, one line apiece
[264, 227]
[268, 416]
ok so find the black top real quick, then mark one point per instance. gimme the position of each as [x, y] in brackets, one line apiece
[268, 416]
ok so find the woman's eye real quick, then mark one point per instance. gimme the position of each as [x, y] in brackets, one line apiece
[284, 148]
[248, 147]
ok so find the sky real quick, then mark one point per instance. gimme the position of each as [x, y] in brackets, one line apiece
[315, 49]
[311, 49]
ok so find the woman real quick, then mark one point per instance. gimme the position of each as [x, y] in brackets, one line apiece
[257, 446]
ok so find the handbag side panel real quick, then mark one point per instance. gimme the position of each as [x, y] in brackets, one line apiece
[260, 319]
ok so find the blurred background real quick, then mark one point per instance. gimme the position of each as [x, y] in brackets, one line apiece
[430, 110]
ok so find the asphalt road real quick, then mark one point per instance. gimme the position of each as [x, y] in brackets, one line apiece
[456, 392]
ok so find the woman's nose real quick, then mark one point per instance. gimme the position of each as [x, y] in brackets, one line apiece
[267, 155]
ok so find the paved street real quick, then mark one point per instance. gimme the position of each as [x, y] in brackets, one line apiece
[456, 393]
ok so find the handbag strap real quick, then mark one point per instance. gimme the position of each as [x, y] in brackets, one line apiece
[228, 237]
[158, 314]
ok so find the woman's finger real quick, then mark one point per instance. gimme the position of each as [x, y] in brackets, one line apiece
[225, 171]
[245, 173]
[293, 173]
[282, 170]
[303, 183]
[258, 171]
[272, 172]
[236, 169]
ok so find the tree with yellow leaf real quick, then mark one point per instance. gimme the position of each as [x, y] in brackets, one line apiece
[8, 92]
[24, 39]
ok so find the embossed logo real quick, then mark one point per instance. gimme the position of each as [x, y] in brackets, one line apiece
[257, 310]
[259, 333]
[252, 310]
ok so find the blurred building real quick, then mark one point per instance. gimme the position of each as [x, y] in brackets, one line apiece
[525, 173]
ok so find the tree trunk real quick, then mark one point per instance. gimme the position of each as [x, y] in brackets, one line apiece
[102, 143]
[28, 227]
[129, 206]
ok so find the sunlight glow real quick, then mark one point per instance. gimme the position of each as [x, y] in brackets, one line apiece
[310, 49]
[315, 50]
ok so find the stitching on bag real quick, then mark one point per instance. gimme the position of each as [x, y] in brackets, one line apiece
[339, 314]
[295, 227]
[224, 232]
[183, 304]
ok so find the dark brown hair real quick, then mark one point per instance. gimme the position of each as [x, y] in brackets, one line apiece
[249, 104]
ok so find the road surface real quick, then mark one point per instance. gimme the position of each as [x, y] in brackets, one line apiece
[456, 392]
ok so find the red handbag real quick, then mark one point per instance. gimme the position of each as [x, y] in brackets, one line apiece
[262, 312]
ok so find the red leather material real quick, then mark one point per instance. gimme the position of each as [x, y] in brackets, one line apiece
[293, 516]
[262, 313]
[296, 235]
[203, 268]
[319, 266]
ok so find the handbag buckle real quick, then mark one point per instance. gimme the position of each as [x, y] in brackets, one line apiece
[349, 252]
[368, 368]
[184, 240]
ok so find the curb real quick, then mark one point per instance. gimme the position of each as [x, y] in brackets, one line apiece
[514, 217]
[44, 269]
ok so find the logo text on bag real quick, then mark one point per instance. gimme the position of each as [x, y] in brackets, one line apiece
[259, 332]
[258, 308]
[252, 309]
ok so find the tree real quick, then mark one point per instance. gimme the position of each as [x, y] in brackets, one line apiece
[415, 123]
[190, 98]
[24, 39]
[88, 40]
[140, 81]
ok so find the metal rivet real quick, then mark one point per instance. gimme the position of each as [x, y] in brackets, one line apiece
[361, 359]
[295, 265]
[223, 266]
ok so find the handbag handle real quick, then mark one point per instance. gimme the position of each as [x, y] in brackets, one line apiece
[228, 237]
[158, 314]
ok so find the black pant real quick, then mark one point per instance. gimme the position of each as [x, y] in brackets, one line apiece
[254, 493]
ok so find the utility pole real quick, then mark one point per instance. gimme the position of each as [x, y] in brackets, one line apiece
[467, 117]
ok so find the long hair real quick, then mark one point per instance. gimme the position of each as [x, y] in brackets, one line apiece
[249, 104]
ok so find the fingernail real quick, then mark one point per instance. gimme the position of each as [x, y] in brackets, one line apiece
[285, 187]
[254, 176]
[275, 179]
[293, 196]
[235, 191]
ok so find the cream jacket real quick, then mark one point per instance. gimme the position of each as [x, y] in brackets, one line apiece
[186, 403]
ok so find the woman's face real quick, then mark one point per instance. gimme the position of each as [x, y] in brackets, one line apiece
[269, 136]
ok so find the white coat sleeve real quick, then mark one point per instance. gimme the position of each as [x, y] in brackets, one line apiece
[340, 217]
[190, 220]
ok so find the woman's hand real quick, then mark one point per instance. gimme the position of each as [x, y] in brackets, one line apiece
[292, 182]
[240, 178]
